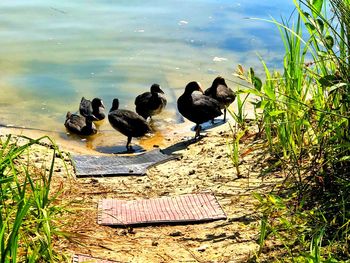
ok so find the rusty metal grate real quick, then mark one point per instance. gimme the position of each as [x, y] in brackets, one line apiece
[99, 165]
[178, 209]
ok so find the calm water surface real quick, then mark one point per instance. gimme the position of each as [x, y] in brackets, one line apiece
[54, 52]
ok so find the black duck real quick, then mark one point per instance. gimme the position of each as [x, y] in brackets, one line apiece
[127, 122]
[79, 124]
[197, 108]
[94, 107]
[221, 92]
[151, 102]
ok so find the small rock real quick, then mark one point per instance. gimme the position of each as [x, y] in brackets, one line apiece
[79, 199]
[156, 146]
[131, 230]
[123, 232]
[93, 181]
[192, 172]
[202, 248]
[176, 234]
[155, 243]
[213, 236]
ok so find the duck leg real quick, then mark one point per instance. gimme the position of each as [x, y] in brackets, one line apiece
[197, 129]
[225, 115]
[128, 147]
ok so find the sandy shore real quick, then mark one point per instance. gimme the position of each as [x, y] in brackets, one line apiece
[204, 166]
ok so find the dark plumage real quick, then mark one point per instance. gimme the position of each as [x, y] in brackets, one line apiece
[98, 108]
[127, 122]
[85, 107]
[79, 124]
[94, 107]
[198, 108]
[221, 92]
[151, 102]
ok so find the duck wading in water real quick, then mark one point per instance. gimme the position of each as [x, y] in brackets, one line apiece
[151, 102]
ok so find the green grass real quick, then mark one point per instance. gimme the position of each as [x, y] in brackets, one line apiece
[303, 112]
[27, 209]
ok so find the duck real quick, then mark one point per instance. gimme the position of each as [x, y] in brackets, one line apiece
[197, 108]
[98, 108]
[221, 92]
[127, 122]
[79, 124]
[94, 107]
[151, 102]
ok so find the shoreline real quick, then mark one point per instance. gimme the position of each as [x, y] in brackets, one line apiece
[204, 166]
[104, 142]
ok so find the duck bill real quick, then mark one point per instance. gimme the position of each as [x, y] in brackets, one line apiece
[200, 88]
[92, 117]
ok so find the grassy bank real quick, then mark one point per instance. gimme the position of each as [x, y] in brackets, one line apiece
[29, 213]
[303, 113]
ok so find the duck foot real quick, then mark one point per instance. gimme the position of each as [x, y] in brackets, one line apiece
[129, 149]
[198, 130]
[199, 137]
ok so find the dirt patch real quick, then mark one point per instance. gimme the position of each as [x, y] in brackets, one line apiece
[204, 166]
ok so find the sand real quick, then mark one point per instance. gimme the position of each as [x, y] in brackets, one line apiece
[204, 166]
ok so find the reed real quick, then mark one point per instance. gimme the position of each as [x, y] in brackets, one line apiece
[27, 209]
[304, 114]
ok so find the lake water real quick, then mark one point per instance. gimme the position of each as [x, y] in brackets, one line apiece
[54, 52]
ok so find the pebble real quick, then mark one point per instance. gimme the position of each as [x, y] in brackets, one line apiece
[155, 243]
[202, 248]
[123, 232]
[79, 199]
[94, 181]
[131, 230]
[176, 234]
[192, 172]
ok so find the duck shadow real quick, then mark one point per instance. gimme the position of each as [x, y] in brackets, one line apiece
[210, 125]
[181, 145]
[119, 149]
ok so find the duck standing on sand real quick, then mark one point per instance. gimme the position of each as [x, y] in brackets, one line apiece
[79, 124]
[127, 122]
[221, 92]
[151, 102]
[198, 108]
[94, 107]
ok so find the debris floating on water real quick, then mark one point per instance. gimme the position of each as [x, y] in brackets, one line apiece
[219, 59]
[182, 22]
